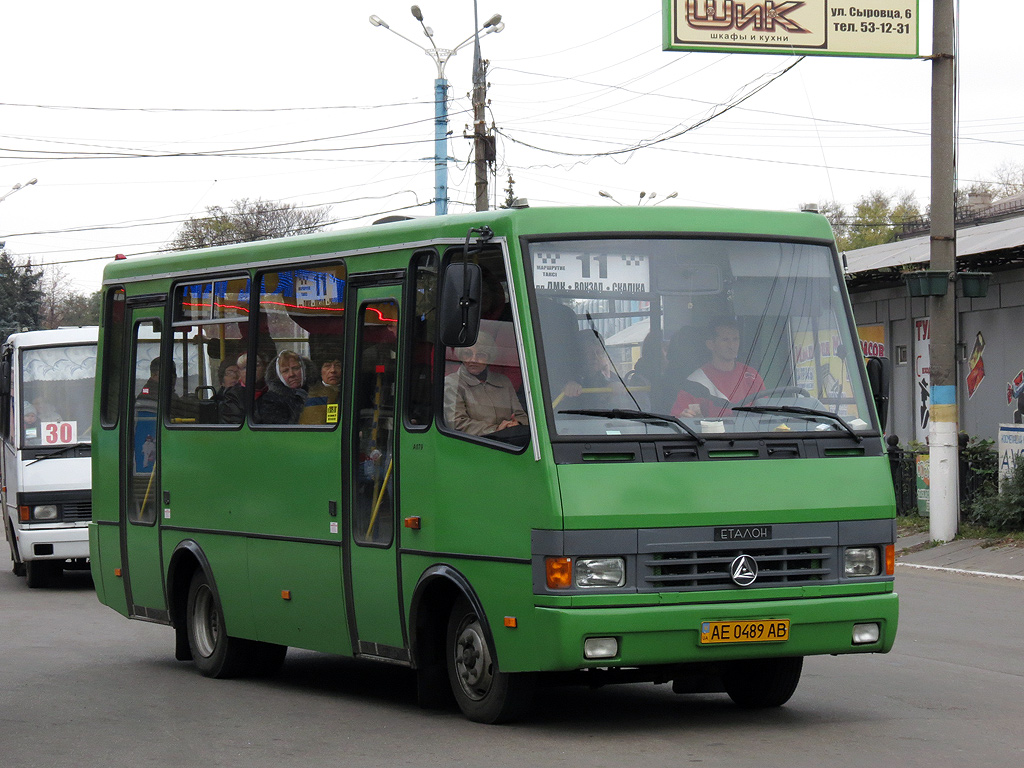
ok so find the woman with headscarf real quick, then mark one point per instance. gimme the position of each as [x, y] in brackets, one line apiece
[287, 378]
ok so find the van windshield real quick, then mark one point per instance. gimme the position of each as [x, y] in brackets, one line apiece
[726, 335]
[56, 392]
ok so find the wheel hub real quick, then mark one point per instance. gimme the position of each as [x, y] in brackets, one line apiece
[472, 661]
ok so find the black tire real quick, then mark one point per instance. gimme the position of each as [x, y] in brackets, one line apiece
[43, 573]
[482, 691]
[17, 565]
[214, 652]
[762, 683]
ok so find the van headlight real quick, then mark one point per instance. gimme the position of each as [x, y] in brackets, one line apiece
[600, 572]
[861, 561]
[44, 512]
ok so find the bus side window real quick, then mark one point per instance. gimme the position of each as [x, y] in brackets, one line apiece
[114, 355]
[483, 384]
[210, 333]
[302, 313]
[422, 335]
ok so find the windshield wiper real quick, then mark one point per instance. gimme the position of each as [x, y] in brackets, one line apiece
[799, 411]
[619, 413]
[55, 453]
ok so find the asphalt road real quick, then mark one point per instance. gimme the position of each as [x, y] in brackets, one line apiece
[81, 686]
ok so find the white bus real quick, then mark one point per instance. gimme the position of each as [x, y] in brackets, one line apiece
[46, 396]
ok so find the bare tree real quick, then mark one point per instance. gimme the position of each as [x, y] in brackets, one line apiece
[246, 221]
[1009, 179]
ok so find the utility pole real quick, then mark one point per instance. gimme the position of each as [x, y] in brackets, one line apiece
[944, 500]
[482, 143]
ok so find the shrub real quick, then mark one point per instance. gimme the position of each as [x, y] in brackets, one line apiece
[1001, 510]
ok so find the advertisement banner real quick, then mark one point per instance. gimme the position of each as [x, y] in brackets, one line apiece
[873, 28]
[922, 378]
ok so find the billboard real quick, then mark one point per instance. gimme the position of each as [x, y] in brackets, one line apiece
[875, 28]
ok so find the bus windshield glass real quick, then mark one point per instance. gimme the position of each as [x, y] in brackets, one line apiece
[725, 335]
[56, 394]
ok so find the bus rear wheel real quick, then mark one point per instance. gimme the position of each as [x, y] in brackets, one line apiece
[214, 652]
[482, 691]
[762, 683]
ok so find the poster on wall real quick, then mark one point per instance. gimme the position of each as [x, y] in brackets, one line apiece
[976, 366]
[872, 340]
[922, 378]
[1011, 448]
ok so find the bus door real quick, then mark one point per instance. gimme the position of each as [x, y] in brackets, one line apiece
[141, 562]
[373, 585]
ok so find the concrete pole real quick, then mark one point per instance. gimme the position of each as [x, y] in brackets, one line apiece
[480, 128]
[944, 499]
[440, 146]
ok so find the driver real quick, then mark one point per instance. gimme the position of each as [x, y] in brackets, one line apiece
[722, 382]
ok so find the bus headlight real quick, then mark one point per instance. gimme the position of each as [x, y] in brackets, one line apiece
[600, 572]
[44, 512]
[861, 561]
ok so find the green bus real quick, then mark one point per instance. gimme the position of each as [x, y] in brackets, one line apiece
[502, 449]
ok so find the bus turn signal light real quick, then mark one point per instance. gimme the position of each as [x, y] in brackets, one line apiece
[413, 522]
[559, 572]
[890, 560]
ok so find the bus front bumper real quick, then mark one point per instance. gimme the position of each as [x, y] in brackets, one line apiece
[671, 634]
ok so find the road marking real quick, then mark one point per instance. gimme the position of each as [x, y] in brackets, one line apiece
[964, 571]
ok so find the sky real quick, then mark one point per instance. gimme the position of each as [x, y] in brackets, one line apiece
[136, 116]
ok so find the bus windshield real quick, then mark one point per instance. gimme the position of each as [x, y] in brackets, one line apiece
[57, 394]
[724, 335]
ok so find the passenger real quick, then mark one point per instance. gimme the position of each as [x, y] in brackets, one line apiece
[286, 393]
[45, 411]
[599, 384]
[231, 406]
[32, 429]
[479, 401]
[724, 381]
[151, 389]
[228, 374]
[322, 395]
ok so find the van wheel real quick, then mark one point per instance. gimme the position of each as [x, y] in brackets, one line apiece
[18, 566]
[43, 573]
[215, 653]
[483, 693]
[762, 683]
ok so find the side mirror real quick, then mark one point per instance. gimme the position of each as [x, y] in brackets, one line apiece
[459, 315]
[880, 381]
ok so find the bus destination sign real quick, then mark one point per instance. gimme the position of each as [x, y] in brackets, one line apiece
[873, 28]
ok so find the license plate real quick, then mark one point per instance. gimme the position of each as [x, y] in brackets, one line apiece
[769, 631]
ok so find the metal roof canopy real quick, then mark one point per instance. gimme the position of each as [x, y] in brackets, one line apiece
[970, 242]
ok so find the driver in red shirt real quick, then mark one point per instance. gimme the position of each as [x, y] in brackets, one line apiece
[724, 381]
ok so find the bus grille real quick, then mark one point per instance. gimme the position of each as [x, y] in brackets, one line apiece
[700, 569]
[77, 511]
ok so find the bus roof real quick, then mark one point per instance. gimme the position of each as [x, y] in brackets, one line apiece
[505, 222]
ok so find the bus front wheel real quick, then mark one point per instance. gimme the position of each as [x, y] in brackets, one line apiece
[482, 691]
[762, 683]
[215, 653]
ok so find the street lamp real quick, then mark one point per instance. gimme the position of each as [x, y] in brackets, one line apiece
[602, 193]
[16, 187]
[440, 57]
[667, 197]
